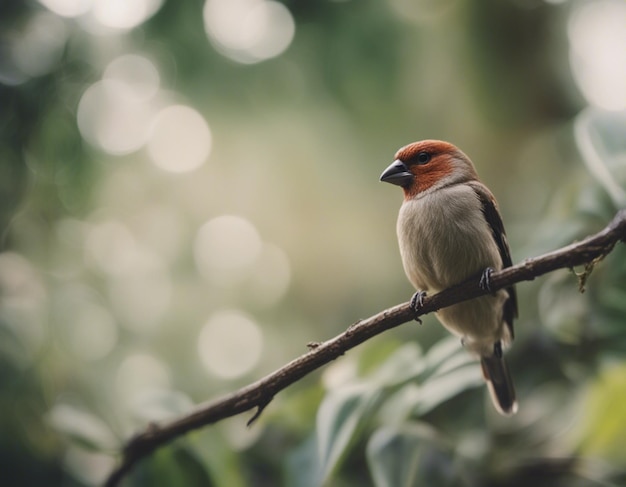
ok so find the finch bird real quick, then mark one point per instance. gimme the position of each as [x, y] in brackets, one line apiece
[449, 229]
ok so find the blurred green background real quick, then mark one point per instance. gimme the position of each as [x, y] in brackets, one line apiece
[189, 194]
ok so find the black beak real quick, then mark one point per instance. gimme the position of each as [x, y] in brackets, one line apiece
[397, 173]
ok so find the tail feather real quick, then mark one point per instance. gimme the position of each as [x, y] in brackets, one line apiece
[500, 384]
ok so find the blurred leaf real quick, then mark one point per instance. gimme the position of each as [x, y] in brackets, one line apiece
[444, 372]
[302, 466]
[604, 426]
[562, 308]
[340, 417]
[393, 457]
[447, 385]
[83, 428]
[375, 353]
[445, 355]
[612, 288]
[216, 458]
[411, 455]
[297, 409]
[614, 298]
[12, 347]
[405, 364]
[398, 407]
[450, 370]
[161, 405]
[600, 136]
[172, 466]
[594, 201]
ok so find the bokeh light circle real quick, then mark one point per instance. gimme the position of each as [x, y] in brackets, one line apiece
[597, 34]
[40, 47]
[226, 247]
[111, 248]
[180, 139]
[67, 8]
[140, 373]
[270, 277]
[137, 72]
[23, 300]
[230, 344]
[124, 14]
[248, 31]
[94, 332]
[112, 118]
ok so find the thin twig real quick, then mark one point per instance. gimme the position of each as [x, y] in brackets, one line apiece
[260, 393]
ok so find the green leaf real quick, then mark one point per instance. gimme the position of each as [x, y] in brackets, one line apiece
[613, 298]
[301, 468]
[220, 461]
[453, 377]
[604, 415]
[425, 382]
[600, 137]
[83, 428]
[447, 385]
[393, 457]
[405, 364]
[398, 407]
[411, 455]
[172, 466]
[339, 419]
[442, 356]
[562, 308]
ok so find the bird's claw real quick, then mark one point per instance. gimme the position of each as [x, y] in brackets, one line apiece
[485, 280]
[497, 349]
[417, 303]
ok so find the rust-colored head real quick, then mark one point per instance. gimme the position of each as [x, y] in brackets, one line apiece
[424, 166]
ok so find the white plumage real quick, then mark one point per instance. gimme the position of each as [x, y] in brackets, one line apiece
[444, 238]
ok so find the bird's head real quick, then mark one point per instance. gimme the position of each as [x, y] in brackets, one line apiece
[427, 165]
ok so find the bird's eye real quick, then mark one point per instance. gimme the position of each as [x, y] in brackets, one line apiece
[423, 157]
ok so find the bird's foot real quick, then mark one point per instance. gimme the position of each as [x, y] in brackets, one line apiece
[497, 349]
[485, 280]
[417, 303]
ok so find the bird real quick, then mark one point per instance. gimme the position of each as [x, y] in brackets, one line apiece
[450, 229]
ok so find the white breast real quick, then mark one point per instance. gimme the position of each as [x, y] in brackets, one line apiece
[444, 238]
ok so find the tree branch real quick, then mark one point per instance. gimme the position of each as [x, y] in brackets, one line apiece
[260, 393]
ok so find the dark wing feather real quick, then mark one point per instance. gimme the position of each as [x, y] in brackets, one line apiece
[492, 215]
